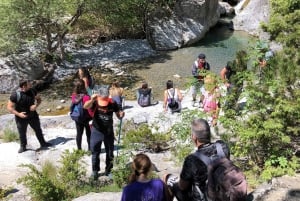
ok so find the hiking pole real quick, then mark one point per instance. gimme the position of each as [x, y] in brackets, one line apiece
[119, 137]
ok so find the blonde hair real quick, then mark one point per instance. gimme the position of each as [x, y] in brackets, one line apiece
[210, 82]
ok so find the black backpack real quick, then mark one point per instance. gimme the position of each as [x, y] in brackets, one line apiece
[173, 104]
[225, 182]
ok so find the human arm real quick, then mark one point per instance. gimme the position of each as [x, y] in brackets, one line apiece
[38, 101]
[89, 103]
[11, 109]
[195, 69]
[180, 97]
[223, 76]
[165, 105]
[86, 82]
[120, 114]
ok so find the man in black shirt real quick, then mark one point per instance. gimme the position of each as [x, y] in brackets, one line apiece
[102, 108]
[23, 104]
[191, 184]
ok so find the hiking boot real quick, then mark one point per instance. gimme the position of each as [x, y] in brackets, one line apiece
[95, 175]
[22, 149]
[46, 144]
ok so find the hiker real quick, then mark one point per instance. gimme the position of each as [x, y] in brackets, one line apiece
[263, 63]
[144, 95]
[80, 94]
[101, 107]
[226, 73]
[83, 73]
[193, 175]
[172, 98]
[141, 187]
[210, 99]
[23, 104]
[199, 70]
[117, 94]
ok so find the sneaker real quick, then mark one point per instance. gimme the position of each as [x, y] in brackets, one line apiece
[22, 149]
[46, 144]
[95, 175]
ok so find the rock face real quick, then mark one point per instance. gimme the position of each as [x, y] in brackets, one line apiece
[185, 25]
[258, 10]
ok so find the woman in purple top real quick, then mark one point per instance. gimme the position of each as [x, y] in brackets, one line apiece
[140, 187]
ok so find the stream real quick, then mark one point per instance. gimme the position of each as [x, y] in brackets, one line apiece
[219, 45]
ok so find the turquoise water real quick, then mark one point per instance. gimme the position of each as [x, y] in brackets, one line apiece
[219, 45]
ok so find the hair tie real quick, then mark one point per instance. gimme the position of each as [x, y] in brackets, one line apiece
[137, 173]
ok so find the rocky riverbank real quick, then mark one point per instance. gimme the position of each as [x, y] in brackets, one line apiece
[60, 131]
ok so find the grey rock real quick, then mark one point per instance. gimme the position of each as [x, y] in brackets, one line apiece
[258, 10]
[185, 25]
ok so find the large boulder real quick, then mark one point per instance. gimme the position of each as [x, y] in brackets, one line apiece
[23, 66]
[186, 24]
[259, 11]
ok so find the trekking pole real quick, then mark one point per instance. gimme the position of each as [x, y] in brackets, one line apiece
[119, 137]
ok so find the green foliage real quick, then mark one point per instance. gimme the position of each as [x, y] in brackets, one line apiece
[4, 191]
[264, 129]
[10, 135]
[23, 21]
[181, 133]
[41, 186]
[142, 137]
[59, 183]
[72, 172]
[284, 22]
[122, 168]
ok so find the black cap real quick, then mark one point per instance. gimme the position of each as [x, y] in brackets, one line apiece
[201, 56]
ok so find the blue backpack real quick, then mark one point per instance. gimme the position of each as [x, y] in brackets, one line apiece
[78, 113]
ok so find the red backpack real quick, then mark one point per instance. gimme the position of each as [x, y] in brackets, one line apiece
[225, 182]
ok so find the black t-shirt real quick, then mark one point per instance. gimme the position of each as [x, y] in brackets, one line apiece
[103, 117]
[26, 99]
[194, 170]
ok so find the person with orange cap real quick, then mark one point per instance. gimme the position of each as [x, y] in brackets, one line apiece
[101, 107]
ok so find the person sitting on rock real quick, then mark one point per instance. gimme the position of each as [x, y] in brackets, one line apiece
[144, 95]
[172, 98]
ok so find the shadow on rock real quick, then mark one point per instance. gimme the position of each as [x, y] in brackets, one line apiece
[293, 195]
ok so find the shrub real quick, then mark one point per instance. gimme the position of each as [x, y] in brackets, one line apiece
[63, 183]
[10, 135]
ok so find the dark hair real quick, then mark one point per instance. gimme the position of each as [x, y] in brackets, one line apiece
[229, 64]
[23, 83]
[115, 84]
[169, 84]
[201, 130]
[79, 87]
[144, 85]
[86, 73]
[201, 56]
[141, 165]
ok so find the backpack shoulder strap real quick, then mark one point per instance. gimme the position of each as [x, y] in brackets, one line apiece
[18, 92]
[202, 157]
[220, 151]
[171, 95]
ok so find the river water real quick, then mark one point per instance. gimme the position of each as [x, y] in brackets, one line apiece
[219, 45]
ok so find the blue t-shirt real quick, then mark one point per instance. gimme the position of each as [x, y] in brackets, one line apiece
[149, 191]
